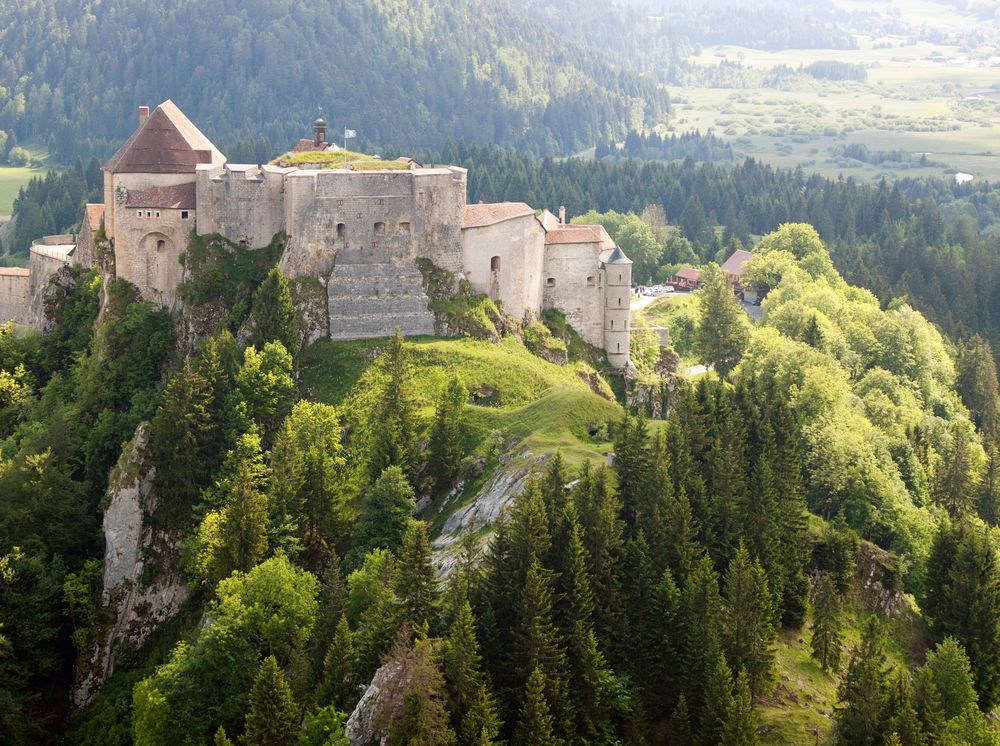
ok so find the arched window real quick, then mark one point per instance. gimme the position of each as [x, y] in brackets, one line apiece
[379, 229]
[591, 281]
[495, 264]
[161, 245]
[404, 228]
[341, 230]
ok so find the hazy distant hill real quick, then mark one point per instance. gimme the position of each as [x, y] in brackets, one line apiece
[400, 72]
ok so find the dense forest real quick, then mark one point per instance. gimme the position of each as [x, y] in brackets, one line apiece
[645, 602]
[73, 73]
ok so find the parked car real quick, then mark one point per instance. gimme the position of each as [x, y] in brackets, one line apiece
[668, 288]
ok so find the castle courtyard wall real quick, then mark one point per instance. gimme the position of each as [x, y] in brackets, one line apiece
[573, 282]
[518, 245]
[14, 295]
[242, 203]
[141, 259]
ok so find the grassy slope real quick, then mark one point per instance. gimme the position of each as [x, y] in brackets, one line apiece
[13, 178]
[532, 403]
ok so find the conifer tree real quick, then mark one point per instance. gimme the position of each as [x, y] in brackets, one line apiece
[598, 508]
[423, 720]
[740, 728]
[535, 726]
[633, 465]
[681, 732]
[700, 617]
[952, 673]
[385, 515]
[555, 496]
[537, 643]
[393, 420]
[718, 700]
[904, 721]
[273, 718]
[332, 605]
[472, 705]
[826, 637]
[338, 676]
[182, 436]
[245, 510]
[927, 703]
[220, 738]
[416, 585]
[863, 693]
[446, 446]
[723, 328]
[749, 629]
[274, 314]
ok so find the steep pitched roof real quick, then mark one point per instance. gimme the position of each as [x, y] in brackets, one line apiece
[573, 234]
[617, 257]
[478, 216]
[166, 143]
[176, 197]
[734, 264]
[93, 214]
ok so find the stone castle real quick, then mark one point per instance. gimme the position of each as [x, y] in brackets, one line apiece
[359, 231]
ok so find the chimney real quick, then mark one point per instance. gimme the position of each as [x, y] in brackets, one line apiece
[562, 215]
[143, 114]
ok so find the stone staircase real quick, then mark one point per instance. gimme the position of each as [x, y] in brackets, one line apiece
[371, 294]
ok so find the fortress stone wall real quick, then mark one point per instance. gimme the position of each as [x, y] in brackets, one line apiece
[357, 232]
[14, 294]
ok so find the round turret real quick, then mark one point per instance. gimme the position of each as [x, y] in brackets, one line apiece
[617, 303]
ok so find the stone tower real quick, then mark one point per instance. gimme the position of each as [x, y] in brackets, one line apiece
[617, 300]
[319, 131]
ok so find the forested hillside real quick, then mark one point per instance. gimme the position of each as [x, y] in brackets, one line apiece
[744, 555]
[405, 73]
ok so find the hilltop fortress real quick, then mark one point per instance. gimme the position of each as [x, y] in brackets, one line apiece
[358, 228]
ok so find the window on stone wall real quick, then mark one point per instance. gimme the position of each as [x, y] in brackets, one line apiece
[404, 228]
[619, 347]
[379, 229]
[619, 278]
[495, 264]
[341, 230]
[612, 323]
[161, 245]
[591, 281]
[551, 282]
[184, 214]
[157, 213]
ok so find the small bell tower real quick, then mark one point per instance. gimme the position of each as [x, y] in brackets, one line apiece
[319, 130]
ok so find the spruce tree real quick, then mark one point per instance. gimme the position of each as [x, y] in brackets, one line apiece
[749, 622]
[723, 328]
[718, 700]
[949, 665]
[740, 728]
[904, 721]
[535, 726]
[385, 515]
[863, 693]
[598, 509]
[701, 623]
[681, 732]
[416, 584]
[826, 635]
[393, 420]
[273, 718]
[927, 703]
[446, 437]
[220, 738]
[274, 314]
[472, 705]
[245, 510]
[338, 670]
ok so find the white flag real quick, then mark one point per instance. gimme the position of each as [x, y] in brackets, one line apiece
[348, 134]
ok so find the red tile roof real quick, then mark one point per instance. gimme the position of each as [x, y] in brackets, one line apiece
[573, 234]
[14, 272]
[93, 214]
[166, 143]
[478, 216]
[177, 197]
[687, 273]
[734, 264]
[307, 146]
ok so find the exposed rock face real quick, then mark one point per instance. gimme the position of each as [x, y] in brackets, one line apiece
[142, 585]
[879, 580]
[507, 482]
[368, 723]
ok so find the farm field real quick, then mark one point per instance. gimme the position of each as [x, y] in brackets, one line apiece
[937, 100]
[12, 178]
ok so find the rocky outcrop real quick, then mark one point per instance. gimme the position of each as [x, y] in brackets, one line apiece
[312, 312]
[878, 578]
[500, 489]
[142, 585]
[368, 723]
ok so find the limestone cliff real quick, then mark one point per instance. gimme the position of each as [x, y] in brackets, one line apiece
[142, 584]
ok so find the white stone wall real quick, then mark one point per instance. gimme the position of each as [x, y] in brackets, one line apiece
[14, 295]
[518, 245]
[573, 283]
[242, 203]
[617, 316]
[141, 259]
[115, 212]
